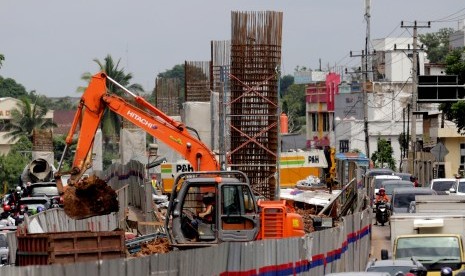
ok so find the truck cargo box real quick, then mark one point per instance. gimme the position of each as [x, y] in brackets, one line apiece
[69, 247]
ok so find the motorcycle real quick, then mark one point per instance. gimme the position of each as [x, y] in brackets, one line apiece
[382, 212]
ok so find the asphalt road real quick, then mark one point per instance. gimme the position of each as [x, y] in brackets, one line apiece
[380, 239]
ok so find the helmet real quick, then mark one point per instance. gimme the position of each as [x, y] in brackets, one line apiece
[6, 208]
[382, 190]
[446, 271]
[40, 209]
[18, 189]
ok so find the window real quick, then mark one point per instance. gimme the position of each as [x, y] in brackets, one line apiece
[314, 120]
[344, 145]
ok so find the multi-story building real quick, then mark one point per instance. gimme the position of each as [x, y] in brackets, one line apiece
[335, 115]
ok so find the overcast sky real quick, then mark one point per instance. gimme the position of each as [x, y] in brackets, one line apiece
[48, 44]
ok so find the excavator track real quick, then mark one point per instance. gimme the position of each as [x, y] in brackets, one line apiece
[89, 197]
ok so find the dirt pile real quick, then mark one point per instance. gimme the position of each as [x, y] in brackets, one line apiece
[158, 245]
[89, 197]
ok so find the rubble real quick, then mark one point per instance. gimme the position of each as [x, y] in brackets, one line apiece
[155, 246]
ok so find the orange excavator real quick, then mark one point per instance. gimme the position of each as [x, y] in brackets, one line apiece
[236, 215]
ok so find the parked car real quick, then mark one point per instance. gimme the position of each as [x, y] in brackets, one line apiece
[33, 203]
[459, 188]
[402, 198]
[390, 185]
[404, 176]
[443, 185]
[48, 189]
[394, 266]
[379, 180]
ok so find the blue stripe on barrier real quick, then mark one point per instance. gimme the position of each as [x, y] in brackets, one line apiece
[305, 265]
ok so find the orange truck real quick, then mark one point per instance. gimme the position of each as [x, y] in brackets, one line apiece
[246, 218]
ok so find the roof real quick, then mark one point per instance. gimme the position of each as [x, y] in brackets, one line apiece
[392, 263]
[64, 120]
[379, 171]
[387, 176]
[415, 190]
[397, 181]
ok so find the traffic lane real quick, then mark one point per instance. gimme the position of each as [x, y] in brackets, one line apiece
[380, 239]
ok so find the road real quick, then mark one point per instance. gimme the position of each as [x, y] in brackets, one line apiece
[380, 239]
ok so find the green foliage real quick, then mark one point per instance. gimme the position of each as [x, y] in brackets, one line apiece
[59, 144]
[111, 122]
[64, 104]
[26, 118]
[383, 156]
[2, 58]
[403, 141]
[13, 164]
[458, 116]
[177, 72]
[10, 88]
[437, 44]
[294, 103]
[455, 65]
[284, 83]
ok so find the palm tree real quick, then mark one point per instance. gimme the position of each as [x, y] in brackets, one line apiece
[27, 117]
[111, 122]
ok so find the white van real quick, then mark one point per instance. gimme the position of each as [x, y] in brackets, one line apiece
[443, 185]
[459, 189]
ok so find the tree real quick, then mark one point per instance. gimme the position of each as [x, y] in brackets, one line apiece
[294, 106]
[176, 72]
[9, 88]
[111, 122]
[383, 155]
[455, 65]
[13, 164]
[26, 118]
[2, 58]
[437, 44]
[284, 83]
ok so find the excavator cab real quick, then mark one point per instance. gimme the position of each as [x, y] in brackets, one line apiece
[234, 216]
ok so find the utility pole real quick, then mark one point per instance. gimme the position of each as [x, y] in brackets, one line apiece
[365, 72]
[414, 108]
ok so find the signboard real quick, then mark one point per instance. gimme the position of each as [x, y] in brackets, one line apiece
[439, 151]
[295, 166]
[440, 88]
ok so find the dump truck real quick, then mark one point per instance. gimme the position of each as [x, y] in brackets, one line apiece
[249, 220]
[433, 238]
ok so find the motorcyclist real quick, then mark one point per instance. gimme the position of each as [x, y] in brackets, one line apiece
[381, 196]
[15, 196]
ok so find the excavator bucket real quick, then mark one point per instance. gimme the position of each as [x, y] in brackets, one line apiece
[89, 197]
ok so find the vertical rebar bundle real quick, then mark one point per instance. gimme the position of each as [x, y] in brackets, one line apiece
[255, 59]
[167, 94]
[197, 81]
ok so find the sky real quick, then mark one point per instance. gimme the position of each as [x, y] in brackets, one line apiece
[49, 44]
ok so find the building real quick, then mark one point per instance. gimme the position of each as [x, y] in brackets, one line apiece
[7, 105]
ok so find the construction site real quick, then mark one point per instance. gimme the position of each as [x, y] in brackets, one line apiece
[202, 186]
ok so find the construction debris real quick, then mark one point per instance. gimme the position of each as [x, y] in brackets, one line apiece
[155, 246]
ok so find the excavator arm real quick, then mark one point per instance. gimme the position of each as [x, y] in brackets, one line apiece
[94, 102]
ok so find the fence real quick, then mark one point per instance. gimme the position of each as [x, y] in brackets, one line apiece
[345, 247]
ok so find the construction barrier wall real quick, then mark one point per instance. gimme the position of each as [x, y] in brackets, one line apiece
[345, 247]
